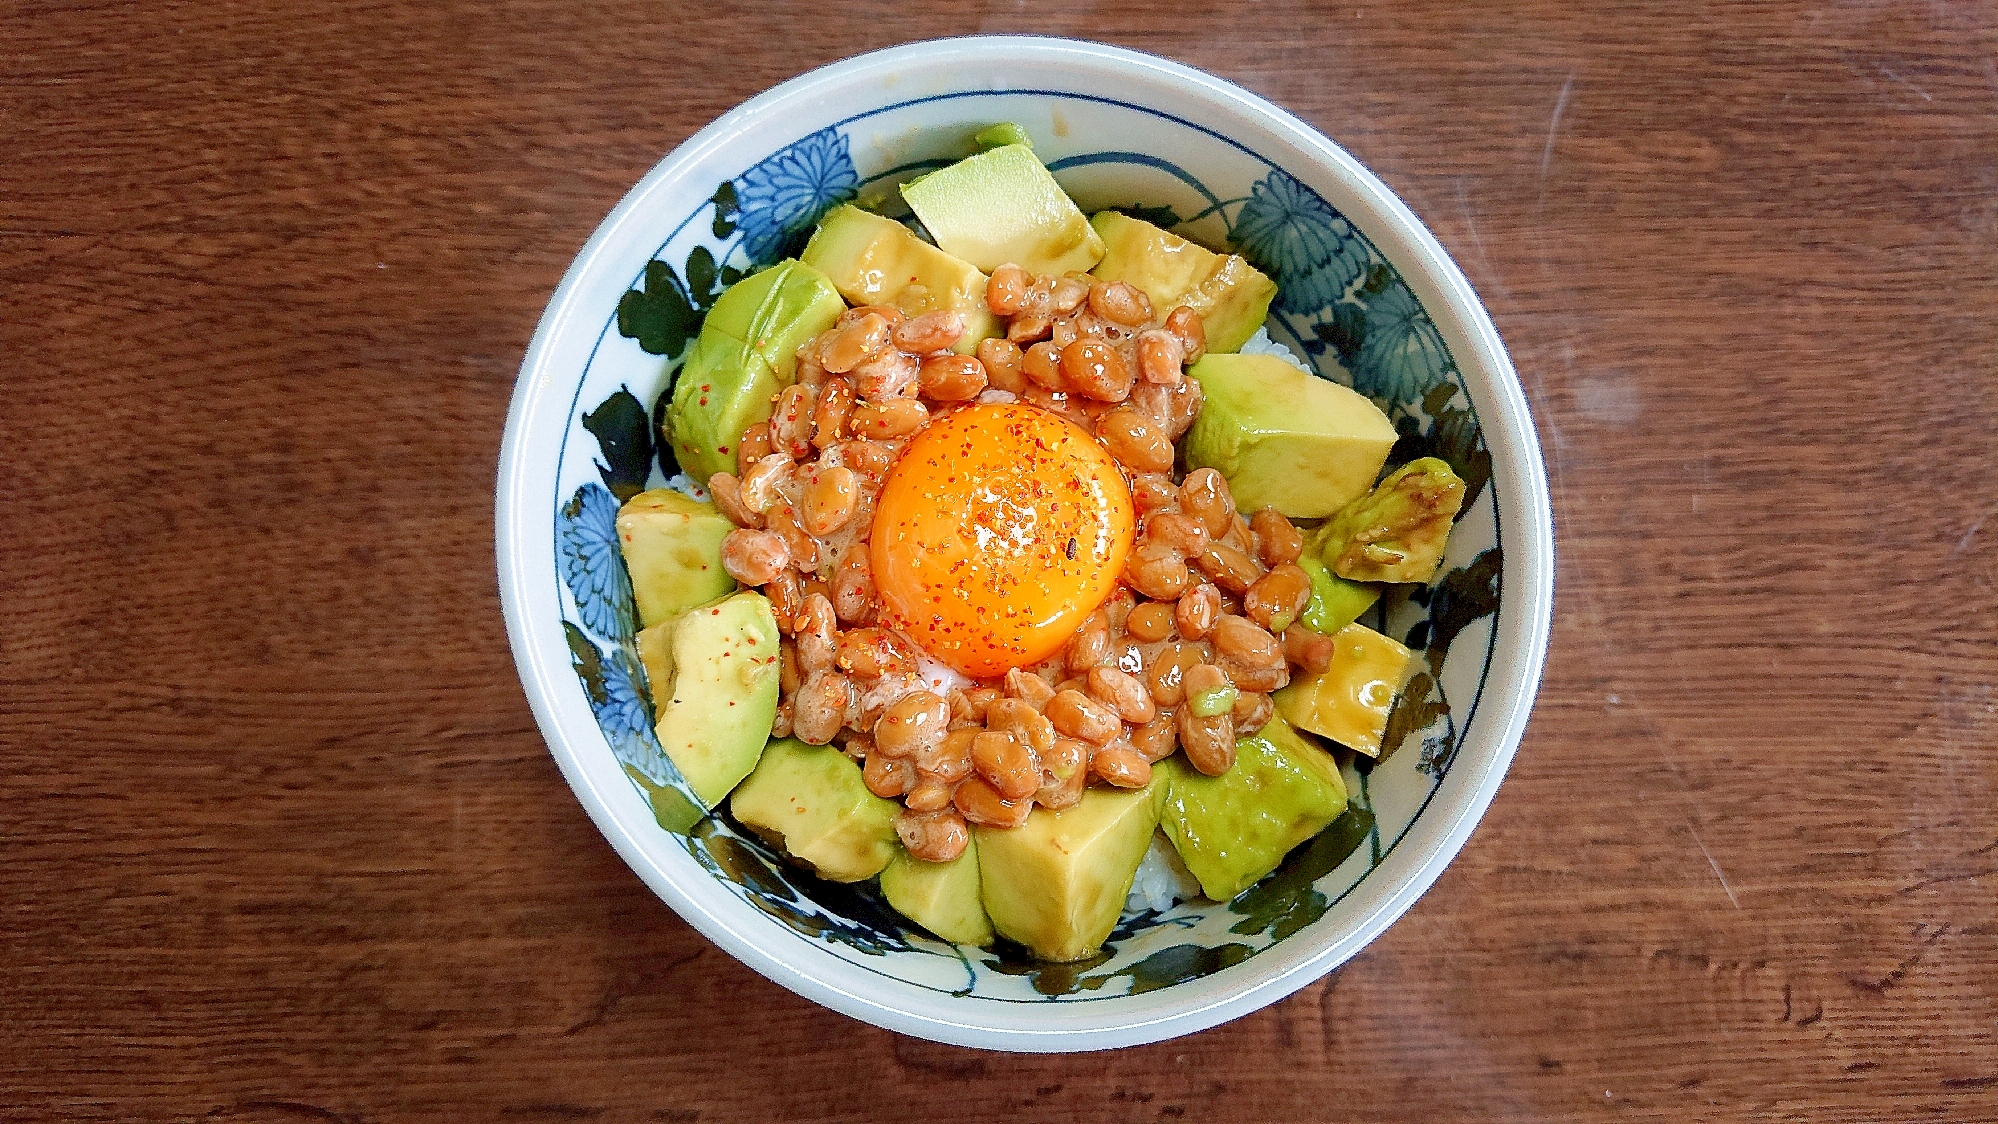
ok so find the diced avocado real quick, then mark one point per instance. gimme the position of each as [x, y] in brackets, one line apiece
[1283, 438]
[1004, 133]
[1335, 602]
[1002, 206]
[811, 800]
[1057, 883]
[1232, 829]
[672, 549]
[1396, 533]
[941, 897]
[774, 310]
[713, 672]
[721, 390]
[1350, 700]
[1231, 296]
[876, 260]
[747, 351]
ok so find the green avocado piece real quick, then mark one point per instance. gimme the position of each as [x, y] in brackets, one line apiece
[1335, 602]
[1057, 883]
[1004, 133]
[1232, 829]
[722, 389]
[1231, 296]
[1003, 205]
[941, 897]
[774, 310]
[811, 800]
[672, 549]
[876, 260]
[1283, 438]
[1397, 532]
[1350, 700]
[747, 351]
[714, 676]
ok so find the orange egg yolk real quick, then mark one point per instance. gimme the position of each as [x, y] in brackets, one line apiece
[998, 530]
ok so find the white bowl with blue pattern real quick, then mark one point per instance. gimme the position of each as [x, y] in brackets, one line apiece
[1366, 297]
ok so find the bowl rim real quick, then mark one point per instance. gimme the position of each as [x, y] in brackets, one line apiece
[1520, 632]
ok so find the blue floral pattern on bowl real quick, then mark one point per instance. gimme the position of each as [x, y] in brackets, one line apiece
[1310, 250]
[1342, 309]
[592, 565]
[780, 200]
[1403, 356]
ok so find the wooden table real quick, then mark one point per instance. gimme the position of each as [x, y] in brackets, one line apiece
[280, 839]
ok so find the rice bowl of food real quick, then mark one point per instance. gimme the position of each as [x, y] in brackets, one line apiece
[1024, 543]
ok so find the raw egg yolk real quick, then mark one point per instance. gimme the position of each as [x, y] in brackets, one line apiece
[998, 530]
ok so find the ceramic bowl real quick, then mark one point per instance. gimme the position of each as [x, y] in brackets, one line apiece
[1366, 297]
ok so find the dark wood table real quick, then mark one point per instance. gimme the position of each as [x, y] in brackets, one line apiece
[281, 842]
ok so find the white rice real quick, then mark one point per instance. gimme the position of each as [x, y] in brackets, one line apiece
[1162, 880]
[684, 484]
[938, 676]
[1262, 344]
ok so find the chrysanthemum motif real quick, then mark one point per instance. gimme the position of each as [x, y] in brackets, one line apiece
[626, 720]
[623, 708]
[592, 565]
[1403, 354]
[612, 684]
[1308, 248]
[784, 195]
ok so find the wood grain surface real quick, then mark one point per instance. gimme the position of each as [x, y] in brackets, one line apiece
[280, 841]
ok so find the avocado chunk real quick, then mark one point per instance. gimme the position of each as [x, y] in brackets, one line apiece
[1004, 133]
[876, 260]
[1001, 206]
[672, 549]
[1057, 883]
[1283, 438]
[1397, 532]
[713, 672]
[747, 351]
[941, 897]
[1335, 602]
[1350, 700]
[1231, 297]
[1232, 829]
[811, 800]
